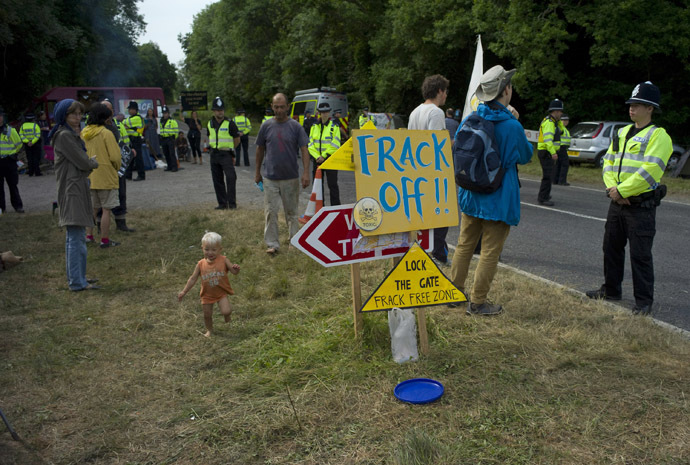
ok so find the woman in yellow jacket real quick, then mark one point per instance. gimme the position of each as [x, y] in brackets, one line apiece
[101, 145]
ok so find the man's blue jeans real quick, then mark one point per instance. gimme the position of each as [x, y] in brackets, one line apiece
[75, 256]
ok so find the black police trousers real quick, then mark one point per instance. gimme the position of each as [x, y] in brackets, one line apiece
[138, 161]
[547, 172]
[636, 225]
[222, 170]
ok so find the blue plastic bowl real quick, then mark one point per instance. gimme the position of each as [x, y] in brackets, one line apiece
[418, 390]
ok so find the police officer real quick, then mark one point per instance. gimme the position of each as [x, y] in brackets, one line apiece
[633, 167]
[135, 130]
[324, 140]
[168, 133]
[10, 144]
[364, 117]
[223, 137]
[244, 126]
[560, 172]
[30, 133]
[549, 142]
[268, 115]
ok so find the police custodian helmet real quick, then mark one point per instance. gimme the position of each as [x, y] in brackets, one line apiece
[133, 104]
[555, 105]
[646, 93]
[218, 104]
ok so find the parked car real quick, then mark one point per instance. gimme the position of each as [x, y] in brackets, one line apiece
[590, 140]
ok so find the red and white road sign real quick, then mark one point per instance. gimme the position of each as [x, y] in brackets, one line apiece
[329, 237]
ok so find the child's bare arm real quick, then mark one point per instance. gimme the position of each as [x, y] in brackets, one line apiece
[234, 269]
[190, 283]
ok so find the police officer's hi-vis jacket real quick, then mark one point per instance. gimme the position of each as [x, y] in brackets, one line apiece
[324, 139]
[222, 140]
[550, 135]
[134, 125]
[10, 142]
[30, 133]
[243, 124]
[169, 128]
[635, 166]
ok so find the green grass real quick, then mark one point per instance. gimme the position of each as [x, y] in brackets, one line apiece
[588, 174]
[124, 375]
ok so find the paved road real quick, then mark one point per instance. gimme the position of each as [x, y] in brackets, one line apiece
[561, 243]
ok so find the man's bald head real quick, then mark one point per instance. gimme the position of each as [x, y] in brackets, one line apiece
[108, 104]
[280, 107]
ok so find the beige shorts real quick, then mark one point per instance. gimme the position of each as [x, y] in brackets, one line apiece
[105, 198]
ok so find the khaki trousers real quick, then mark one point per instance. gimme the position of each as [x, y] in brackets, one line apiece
[493, 235]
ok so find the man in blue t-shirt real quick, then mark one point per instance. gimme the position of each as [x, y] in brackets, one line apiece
[280, 142]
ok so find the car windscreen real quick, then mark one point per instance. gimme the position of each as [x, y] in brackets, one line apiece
[584, 130]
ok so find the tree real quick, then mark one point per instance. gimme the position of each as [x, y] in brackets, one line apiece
[154, 70]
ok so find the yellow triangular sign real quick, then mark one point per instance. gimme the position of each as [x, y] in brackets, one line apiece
[342, 158]
[415, 281]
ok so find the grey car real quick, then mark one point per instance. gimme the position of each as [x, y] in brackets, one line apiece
[590, 140]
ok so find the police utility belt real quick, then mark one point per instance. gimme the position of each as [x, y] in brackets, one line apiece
[648, 199]
[222, 152]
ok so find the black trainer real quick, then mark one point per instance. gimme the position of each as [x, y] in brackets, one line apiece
[645, 309]
[601, 294]
[485, 309]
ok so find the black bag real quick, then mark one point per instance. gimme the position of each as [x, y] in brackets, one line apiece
[476, 156]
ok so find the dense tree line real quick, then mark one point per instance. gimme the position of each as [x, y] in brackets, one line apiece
[48, 43]
[588, 53]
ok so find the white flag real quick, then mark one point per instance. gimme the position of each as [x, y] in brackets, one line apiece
[471, 101]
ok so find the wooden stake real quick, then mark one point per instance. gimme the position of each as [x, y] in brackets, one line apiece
[423, 337]
[356, 299]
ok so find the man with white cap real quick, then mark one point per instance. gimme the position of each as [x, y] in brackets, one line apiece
[490, 216]
[633, 167]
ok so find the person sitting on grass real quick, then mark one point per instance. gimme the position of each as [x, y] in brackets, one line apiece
[182, 147]
[215, 287]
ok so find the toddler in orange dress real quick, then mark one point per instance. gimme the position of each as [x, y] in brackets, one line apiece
[215, 287]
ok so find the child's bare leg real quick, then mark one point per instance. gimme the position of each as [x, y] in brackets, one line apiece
[225, 310]
[208, 318]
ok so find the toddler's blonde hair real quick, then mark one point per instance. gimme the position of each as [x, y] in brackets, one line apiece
[211, 238]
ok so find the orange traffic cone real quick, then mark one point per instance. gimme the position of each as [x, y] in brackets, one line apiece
[315, 200]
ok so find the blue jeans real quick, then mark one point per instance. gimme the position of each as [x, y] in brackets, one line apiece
[75, 256]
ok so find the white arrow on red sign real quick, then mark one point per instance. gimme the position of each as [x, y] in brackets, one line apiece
[330, 235]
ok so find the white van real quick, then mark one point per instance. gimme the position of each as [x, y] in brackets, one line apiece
[308, 100]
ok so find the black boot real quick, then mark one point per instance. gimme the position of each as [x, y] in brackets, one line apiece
[122, 225]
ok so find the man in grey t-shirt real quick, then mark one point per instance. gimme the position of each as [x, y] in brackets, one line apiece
[429, 116]
[279, 144]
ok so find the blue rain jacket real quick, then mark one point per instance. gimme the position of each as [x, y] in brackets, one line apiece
[504, 204]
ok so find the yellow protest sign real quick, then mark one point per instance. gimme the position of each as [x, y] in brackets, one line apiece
[415, 281]
[410, 175]
[342, 158]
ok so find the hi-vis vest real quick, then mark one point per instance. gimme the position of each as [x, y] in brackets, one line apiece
[243, 124]
[124, 138]
[266, 118]
[169, 129]
[636, 165]
[363, 120]
[30, 132]
[550, 135]
[134, 125]
[223, 140]
[565, 137]
[10, 142]
[324, 139]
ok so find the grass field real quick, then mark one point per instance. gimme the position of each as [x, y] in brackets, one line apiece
[124, 375]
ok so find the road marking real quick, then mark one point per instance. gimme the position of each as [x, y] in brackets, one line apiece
[668, 326]
[602, 190]
[564, 211]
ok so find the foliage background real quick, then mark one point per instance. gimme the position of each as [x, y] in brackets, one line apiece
[49, 43]
[588, 53]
